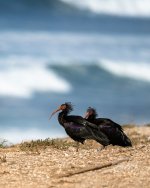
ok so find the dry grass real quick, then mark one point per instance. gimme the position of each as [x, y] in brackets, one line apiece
[129, 126]
[147, 125]
[37, 145]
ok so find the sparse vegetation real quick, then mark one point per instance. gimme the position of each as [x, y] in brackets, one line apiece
[3, 143]
[37, 145]
[147, 125]
[129, 126]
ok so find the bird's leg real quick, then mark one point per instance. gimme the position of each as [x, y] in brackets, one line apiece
[101, 148]
[77, 146]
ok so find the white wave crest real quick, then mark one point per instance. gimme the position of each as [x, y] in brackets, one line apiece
[23, 81]
[115, 7]
[138, 71]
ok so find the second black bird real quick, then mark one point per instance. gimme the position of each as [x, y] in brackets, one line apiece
[112, 130]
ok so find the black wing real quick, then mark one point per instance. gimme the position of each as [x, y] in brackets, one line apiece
[115, 136]
[77, 132]
[80, 120]
[95, 133]
[106, 121]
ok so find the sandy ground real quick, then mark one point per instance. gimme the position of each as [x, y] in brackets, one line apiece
[114, 167]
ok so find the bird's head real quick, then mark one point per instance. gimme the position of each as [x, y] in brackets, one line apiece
[90, 113]
[66, 107]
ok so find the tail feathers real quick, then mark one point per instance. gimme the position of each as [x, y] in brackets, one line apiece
[126, 142]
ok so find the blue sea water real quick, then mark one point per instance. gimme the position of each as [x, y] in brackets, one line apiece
[85, 52]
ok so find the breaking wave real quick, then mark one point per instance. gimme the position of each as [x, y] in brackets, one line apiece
[24, 81]
[137, 8]
[138, 71]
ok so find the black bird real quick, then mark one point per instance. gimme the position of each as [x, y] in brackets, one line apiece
[77, 127]
[112, 130]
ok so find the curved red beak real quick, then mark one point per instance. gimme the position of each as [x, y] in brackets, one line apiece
[54, 112]
[86, 115]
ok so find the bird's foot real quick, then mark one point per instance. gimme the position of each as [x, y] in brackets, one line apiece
[77, 147]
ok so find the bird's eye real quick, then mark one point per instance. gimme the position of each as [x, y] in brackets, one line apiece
[63, 106]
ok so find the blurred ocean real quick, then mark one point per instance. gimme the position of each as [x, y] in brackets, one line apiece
[90, 52]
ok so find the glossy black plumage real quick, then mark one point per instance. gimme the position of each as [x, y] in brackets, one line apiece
[78, 128]
[112, 130]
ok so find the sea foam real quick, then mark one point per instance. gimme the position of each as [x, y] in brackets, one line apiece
[138, 71]
[137, 8]
[23, 81]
